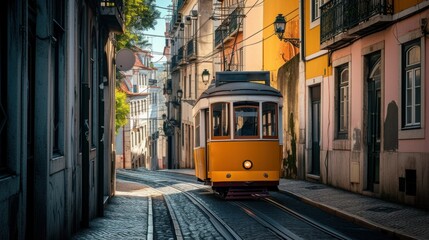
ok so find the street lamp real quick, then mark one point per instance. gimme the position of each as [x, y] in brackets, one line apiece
[279, 29]
[205, 76]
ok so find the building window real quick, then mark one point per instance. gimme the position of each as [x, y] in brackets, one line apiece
[190, 87]
[58, 61]
[220, 120]
[94, 92]
[411, 85]
[3, 88]
[315, 9]
[185, 90]
[269, 120]
[342, 101]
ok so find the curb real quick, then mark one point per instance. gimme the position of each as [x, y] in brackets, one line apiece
[351, 217]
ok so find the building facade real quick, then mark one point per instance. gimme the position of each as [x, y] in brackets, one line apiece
[365, 90]
[281, 57]
[57, 115]
[191, 47]
[137, 141]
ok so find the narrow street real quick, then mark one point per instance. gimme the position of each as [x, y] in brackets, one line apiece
[168, 205]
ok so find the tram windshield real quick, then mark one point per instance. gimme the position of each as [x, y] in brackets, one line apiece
[246, 119]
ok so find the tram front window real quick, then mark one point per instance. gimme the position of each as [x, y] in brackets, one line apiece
[246, 119]
[220, 120]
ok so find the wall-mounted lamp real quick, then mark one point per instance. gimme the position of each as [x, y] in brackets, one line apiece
[179, 94]
[169, 125]
[206, 76]
[279, 29]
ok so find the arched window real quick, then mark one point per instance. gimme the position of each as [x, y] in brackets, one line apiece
[411, 85]
[342, 101]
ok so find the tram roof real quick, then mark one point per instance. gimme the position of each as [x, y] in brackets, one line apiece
[241, 83]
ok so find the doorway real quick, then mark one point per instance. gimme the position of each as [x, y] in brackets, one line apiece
[315, 129]
[373, 121]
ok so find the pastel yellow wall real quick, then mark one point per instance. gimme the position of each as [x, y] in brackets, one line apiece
[314, 66]
[276, 52]
[400, 5]
[317, 67]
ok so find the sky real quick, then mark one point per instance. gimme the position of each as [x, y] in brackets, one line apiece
[158, 43]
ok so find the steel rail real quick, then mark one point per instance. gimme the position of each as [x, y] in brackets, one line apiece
[269, 223]
[311, 222]
[173, 218]
[226, 231]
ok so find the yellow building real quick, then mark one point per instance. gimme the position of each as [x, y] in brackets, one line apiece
[275, 51]
[281, 48]
[238, 35]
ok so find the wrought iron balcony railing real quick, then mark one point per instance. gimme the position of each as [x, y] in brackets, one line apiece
[180, 56]
[190, 49]
[340, 16]
[228, 27]
[173, 62]
[112, 14]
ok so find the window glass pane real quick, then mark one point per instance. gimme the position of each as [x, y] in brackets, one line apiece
[413, 55]
[269, 119]
[220, 119]
[345, 76]
[418, 114]
[246, 119]
[408, 97]
[417, 78]
[418, 96]
[197, 129]
[409, 79]
[408, 116]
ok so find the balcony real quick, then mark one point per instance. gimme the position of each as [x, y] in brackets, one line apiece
[175, 22]
[190, 50]
[174, 63]
[112, 15]
[343, 21]
[228, 28]
[180, 56]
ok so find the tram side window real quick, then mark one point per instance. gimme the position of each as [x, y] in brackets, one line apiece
[220, 120]
[197, 129]
[246, 119]
[269, 119]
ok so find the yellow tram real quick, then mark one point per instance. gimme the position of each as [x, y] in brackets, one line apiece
[238, 135]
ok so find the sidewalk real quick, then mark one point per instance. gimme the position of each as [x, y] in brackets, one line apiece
[399, 220]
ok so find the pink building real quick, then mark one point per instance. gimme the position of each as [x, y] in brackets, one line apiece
[374, 109]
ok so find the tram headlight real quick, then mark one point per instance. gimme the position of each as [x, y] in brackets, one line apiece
[247, 164]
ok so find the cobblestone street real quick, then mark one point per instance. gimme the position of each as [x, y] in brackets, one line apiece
[129, 221]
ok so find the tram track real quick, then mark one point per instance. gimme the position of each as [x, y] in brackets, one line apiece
[221, 227]
[327, 230]
[288, 223]
[271, 224]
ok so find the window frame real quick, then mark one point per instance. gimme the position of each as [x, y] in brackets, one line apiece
[315, 8]
[58, 70]
[340, 85]
[275, 124]
[404, 72]
[228, 119]
[197, 126]
[4, 41]
[247, 104]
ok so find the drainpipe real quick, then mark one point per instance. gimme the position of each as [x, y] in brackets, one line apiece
[123, 147]
[302, 59]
